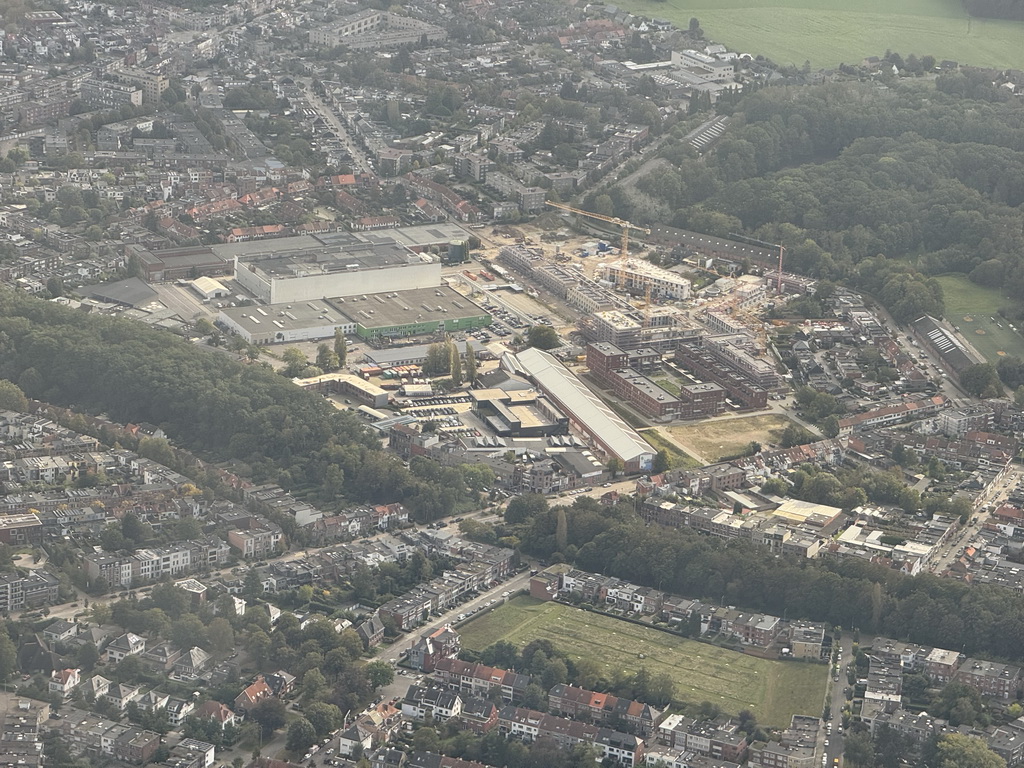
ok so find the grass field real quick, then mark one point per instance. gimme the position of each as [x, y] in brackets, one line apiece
[728, 437]
[773, 690]
[830, 32]
[677, 457]
[971, 308]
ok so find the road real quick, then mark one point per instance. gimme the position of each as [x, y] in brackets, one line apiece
[360, 162]
[394, 652]
[836, 698]
[994, 495]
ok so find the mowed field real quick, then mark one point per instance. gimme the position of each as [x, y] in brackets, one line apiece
[773, 690]
[728, 437]
[830, 32]
[971, 308]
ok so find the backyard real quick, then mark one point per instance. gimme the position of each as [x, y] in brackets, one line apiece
[831, 32]
[773, 690]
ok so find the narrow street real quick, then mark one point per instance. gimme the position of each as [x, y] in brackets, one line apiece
[360, 162]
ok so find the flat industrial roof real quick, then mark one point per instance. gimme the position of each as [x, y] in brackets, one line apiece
[390, 356]
[572, 395]
[376, 310]
[419, 236]
[294, 316]
[330, 259]
[133, 292]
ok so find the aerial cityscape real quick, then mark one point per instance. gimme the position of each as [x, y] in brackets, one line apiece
[511, 384]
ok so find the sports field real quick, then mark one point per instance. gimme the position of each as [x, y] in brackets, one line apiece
[971, 308]
[773, 690]
[830, 32]
[716, 438]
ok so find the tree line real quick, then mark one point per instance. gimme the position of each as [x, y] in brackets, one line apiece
[841, 173]
[847, 592]
[218, 407]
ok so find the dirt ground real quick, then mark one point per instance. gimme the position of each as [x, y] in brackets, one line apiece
[727, 437]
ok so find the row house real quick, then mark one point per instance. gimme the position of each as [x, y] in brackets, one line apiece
[480, 680]
[529, 725]
[603, 709]
[720, 738]
[260, 539]
[1001, 681]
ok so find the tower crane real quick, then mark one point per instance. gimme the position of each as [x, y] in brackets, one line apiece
[625, 225]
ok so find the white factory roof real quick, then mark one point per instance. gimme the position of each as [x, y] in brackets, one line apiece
[572, 395]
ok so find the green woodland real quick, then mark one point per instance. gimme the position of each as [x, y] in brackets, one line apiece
[879, 188]
[979, 620]
[221, 408]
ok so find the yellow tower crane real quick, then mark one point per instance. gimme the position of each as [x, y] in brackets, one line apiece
[626, 225]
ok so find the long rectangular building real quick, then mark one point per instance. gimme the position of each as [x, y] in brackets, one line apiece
[588, 416]
[307, 267]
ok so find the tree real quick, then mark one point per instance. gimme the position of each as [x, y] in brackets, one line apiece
[542, 337]
[959, 751]
[314, 685]
[327, 359]
[470, 363]
[426, 740]
[379, 673]
[982, 380]
[661, 462]
[340, 347]
[858, 749]
[87, 656]
[615, 465]
[12, 398]
[438, 361]
[8, 656]
[301, 735]
[270, 714]
[522, 508]
[294, 362]
[455, 364]
[324, 717]
[221, 636]
[561, 535]
[252, 586]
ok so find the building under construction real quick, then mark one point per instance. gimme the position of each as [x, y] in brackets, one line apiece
[660, 328]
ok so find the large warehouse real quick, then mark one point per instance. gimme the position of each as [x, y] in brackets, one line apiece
[308, 267]
[588, 416]
[285, 323]
[395, 314]
[412, 313]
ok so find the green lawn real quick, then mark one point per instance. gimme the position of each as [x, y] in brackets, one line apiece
[670, 385]
[830, 32]
[971, 308]
[773, 690]
[677, 457]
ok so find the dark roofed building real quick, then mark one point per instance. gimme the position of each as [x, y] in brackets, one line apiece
[178, 263]
[132, 292]
[953, 350]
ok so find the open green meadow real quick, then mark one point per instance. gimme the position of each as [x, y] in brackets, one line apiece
[971, 308]
[830, 32]
[773, 690]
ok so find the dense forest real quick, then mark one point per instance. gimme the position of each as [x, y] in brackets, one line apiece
[930, 179]
[219, 407]
[847, 592]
